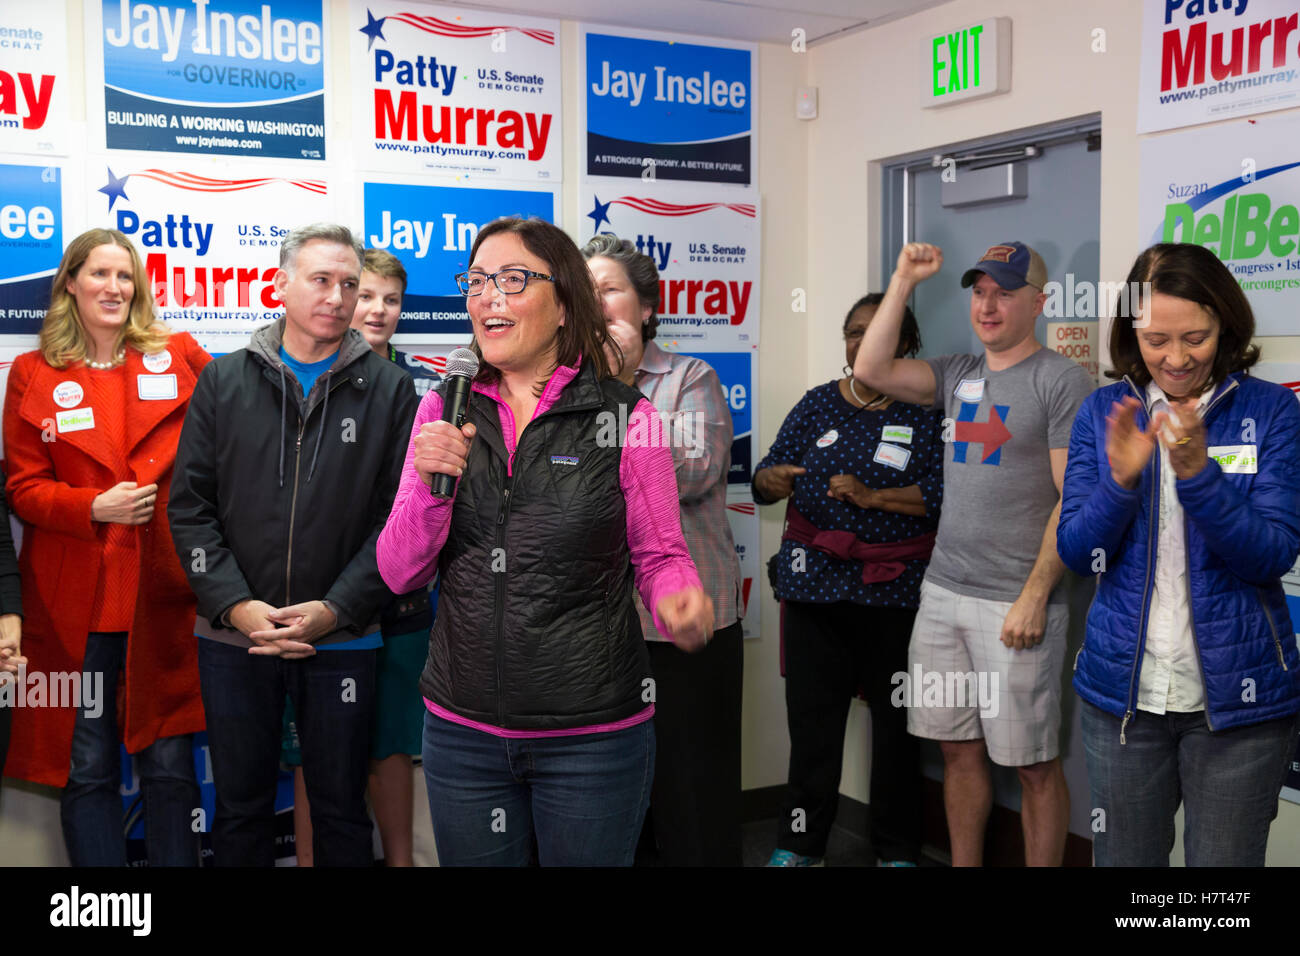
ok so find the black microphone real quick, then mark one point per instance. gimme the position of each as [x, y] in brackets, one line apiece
[462, 366]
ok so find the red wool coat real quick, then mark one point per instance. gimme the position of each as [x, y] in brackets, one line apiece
[50, 486]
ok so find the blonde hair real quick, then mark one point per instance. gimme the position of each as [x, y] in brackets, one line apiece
[63, 337]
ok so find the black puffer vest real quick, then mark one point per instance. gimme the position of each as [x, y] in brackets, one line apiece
[536, 629]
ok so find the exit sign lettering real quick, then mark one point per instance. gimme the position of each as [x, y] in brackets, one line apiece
[967, 63]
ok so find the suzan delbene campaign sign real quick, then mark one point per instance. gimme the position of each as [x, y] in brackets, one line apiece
[1234, 189]
[705, 242]
[449, 90]
[217, 77]
[31, 244]
[209, 234]
[34, 90]
[1205, 60]
[431, 229]
[667, 108]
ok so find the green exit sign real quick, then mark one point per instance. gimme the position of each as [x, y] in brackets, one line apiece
[967, 63]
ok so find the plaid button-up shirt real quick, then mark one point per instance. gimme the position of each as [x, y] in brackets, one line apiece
[688, 395]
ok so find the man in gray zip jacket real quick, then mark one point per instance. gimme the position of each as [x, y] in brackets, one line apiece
[287, 465]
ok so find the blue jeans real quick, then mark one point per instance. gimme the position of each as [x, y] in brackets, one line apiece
[91, 803]
[333, 698]
[1228, 781]
[584, 797]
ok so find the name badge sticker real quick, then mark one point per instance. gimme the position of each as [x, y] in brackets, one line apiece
[68, 394]
[158, 361]
[969, 389]
[156, 388]
[892, 455]
[897, 433]
[1236, 459]
[75, 420]
[830, 438]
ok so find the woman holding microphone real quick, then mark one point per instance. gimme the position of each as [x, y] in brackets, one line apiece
[91, 424]
[537, 685]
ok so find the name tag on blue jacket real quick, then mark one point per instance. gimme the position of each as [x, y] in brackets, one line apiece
[1235, 459]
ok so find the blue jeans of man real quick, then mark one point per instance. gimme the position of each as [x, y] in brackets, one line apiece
[91, 803]
[583, 797]
[333, 698]
[1228, 782]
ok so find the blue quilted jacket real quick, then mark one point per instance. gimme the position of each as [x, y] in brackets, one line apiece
[1242, 534]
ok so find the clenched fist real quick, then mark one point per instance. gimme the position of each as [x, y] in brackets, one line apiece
[918, 261]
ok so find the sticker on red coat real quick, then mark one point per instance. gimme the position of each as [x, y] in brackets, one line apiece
[68, 394]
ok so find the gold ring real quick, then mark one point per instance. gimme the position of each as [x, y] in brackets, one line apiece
[1184, 440]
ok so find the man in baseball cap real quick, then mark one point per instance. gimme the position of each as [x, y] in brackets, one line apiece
[1012, 265]
[993, 613]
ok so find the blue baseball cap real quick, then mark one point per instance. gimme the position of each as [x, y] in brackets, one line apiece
[1012, 265]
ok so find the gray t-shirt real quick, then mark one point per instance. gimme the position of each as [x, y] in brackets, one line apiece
[997, 474]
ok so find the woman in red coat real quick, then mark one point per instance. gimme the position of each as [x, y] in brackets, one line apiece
[91, 423]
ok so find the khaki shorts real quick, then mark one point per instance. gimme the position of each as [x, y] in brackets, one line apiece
[965, 684]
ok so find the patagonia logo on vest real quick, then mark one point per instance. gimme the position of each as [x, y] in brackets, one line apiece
[564, 459]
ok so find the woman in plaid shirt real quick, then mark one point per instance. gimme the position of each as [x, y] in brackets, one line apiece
[695, 801]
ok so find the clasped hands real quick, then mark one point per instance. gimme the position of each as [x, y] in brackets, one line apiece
[777, 482]
[1129, 448]
[287, 632]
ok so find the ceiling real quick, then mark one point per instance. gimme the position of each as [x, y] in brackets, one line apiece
[763, 21]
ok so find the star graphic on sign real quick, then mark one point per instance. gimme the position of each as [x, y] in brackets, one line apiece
[116, 187]
[600, 213]
[374, 29]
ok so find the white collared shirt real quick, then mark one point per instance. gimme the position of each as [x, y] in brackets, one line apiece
[1171, 667]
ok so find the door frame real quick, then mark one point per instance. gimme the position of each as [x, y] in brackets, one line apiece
[894, 177]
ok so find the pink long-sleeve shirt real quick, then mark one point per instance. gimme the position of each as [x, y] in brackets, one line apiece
[418, 524]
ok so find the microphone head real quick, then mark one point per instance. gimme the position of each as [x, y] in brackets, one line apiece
[462, 362]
